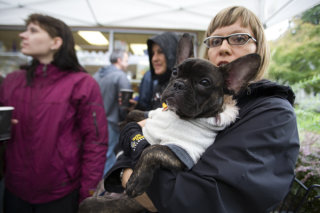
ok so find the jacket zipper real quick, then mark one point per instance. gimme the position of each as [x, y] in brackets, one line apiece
[44, 70]
[94, 115]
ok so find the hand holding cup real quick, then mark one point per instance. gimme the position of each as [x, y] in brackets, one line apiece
[6, 122]
[126, 96]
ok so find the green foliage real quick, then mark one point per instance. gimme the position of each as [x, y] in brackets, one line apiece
[295, 57]
[295, 61]
[308, 121]
[312, 15]
[308, 168]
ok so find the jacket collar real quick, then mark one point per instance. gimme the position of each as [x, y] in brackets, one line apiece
[266, 88]
[45, 70]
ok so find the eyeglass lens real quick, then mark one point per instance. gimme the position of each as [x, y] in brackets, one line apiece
[239, 39]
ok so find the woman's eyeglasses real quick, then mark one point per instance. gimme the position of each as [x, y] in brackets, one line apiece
[233, 39]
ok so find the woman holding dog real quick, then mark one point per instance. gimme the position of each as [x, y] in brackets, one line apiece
[250, 166]
[56, 155]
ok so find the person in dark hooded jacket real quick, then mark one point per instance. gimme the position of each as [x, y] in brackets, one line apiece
[162, 58]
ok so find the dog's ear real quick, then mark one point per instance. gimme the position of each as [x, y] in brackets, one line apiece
[185, 48]
[240, 72]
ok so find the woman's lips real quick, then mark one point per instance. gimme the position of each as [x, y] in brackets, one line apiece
[23, 44]
[221, 63]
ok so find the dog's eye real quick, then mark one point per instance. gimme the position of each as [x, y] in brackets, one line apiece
[174, 72]
[204, 82]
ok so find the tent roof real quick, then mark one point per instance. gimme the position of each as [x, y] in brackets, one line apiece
[149, 14]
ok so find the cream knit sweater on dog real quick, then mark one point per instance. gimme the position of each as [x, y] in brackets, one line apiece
[193, 135]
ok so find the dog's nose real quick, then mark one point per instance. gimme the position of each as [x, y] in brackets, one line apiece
[178, 85]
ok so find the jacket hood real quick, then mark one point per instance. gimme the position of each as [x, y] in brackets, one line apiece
[269, 88]
[168, 42]
[105, 70]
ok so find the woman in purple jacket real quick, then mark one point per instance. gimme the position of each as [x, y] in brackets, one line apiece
[56, 155]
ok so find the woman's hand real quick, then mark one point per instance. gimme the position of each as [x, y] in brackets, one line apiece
[142, 123]
[125, 177]
[143, 199]
[133, 103]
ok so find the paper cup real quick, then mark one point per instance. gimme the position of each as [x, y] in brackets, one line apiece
[5, 122]
[126, 95]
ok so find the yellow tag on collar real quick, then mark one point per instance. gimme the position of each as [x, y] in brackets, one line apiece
[164, 106]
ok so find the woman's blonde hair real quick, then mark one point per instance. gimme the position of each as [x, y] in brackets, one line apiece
[229, 16]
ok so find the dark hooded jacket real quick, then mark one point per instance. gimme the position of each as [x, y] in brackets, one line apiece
[168, 42]
[248, 169]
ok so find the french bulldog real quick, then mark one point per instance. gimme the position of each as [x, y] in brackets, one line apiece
[197, 89]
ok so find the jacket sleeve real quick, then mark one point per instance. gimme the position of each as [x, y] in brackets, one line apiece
[92, 124]
[249, 168]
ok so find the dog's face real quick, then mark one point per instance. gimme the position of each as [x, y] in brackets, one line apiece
[195, 89]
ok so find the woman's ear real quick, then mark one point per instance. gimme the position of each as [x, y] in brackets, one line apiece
[57, 43]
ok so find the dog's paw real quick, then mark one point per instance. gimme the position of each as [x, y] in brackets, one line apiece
[137, 184]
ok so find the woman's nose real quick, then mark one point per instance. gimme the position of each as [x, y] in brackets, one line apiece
[154, 57]
[225, 47]
[23, 35]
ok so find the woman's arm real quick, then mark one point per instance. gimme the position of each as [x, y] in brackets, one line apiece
[92, 124]
[249, 168]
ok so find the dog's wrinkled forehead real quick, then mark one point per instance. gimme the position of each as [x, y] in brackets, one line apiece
[198, 67]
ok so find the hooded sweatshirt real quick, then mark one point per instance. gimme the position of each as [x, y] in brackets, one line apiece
[168, 42]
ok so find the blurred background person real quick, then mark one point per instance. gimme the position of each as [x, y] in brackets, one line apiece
[162, 58]
[56, 155]
[111, 80]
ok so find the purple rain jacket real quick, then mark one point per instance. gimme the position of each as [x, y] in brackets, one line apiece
[60, 142]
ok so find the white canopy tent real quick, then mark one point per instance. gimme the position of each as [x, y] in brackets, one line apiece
[147, 14]
[137, 18]
[142, 16]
